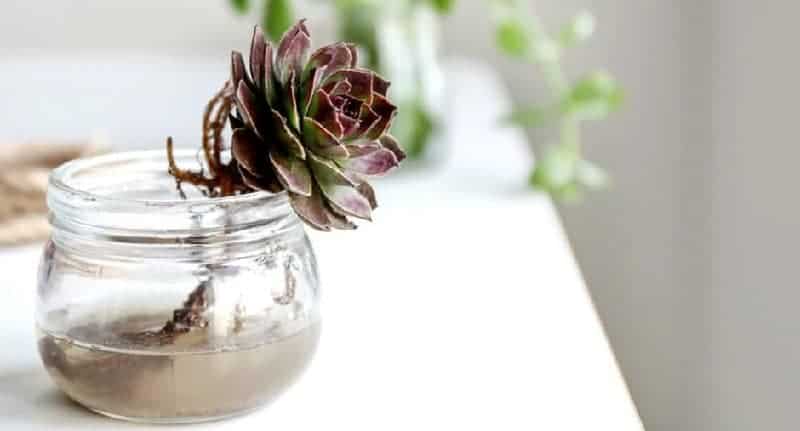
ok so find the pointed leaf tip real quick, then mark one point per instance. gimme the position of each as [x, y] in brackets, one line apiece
[257, 56]
[368, 192]
[377, 162]
[293, 50]
[238, 71]
[311, 209]
[347, 201]
[390, 143]
[338, 221]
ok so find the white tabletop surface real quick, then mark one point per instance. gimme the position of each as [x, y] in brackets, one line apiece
[461, 307]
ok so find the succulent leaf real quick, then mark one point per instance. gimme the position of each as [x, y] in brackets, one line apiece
[331, 59]
[380, 85]
[347, 201]
[292, 111]
[326, 114]
[362, 148]
[246, 149]
[368, 119]
[258, 50]
[338, 221]
[368, 192]
[268, 182]
[311, 209]
[360, 83]
[327, 172]
[321, 141]
[309, 83]
[353, 54]
[339, 88]
[376, 162]
[386, 111]
[246, 104]
[268, 78]
[238, 71]
[339, 189]
[285, 135]
[293, 51]
[391, 144]
[292, 173]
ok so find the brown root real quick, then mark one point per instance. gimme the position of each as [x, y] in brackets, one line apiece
[222, 179]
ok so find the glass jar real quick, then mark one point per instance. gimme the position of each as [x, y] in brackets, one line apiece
[156, 308]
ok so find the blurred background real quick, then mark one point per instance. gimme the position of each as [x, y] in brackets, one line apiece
[687, 254]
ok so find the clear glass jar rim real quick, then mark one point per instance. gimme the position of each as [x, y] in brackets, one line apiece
[60, 179]
[74, 205]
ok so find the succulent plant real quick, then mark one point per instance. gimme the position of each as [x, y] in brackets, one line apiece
[313, 124]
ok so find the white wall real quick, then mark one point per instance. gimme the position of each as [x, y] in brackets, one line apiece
[753, 362]
[178, 27]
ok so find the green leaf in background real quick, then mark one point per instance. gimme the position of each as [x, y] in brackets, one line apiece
[578, 29]
[512, 37]
[240, 6]
[278, 17]
[562, 192]
[414, 127]
[556, 169]
[357, 23]
[593, 97]
[565, 176]
[590, 175]
[569, 193]
[561, 171]
[442, 6]
[532, 116]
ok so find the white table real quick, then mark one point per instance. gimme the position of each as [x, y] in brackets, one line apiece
[461, 308]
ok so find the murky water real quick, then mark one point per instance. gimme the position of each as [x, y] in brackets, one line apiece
[164, 384]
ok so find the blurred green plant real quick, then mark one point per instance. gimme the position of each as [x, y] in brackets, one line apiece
[561, 170]
[276, 15]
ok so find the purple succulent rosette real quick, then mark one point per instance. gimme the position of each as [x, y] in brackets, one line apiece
[313, 124]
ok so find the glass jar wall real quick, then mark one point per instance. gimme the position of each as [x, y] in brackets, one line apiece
[156, 308]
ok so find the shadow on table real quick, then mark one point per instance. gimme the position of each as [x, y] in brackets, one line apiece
[29, 397]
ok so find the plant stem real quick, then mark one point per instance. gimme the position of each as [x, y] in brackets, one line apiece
[557, 81]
